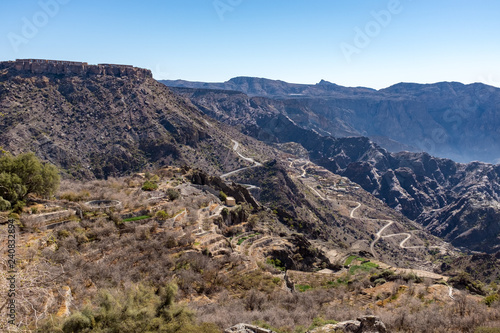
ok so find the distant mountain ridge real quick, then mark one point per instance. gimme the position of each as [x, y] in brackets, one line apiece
[446, 119]
[271, 88]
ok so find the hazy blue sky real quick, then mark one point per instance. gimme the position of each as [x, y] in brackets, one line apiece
[355, 43]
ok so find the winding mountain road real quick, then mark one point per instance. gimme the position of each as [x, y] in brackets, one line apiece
[352, 211]
[378, 235]
[380, 232]
[249, 159]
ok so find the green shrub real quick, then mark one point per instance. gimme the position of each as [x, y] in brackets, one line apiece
[489, 300]
[77, 322]
[162, 215]
[385, 274]
[222, 196]
[149, 186]
[14, 216]
[18, 207]
[172, 194]
[369, 264]
[276, 263]
[137, 309]
[365, 267]
[63, 233]
[4, 204]
[464, 281]
[277, 281]
[412, 277]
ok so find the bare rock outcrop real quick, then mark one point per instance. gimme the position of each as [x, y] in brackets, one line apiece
[245, 328]
[239, 192]
[364, 324]
[56, 67]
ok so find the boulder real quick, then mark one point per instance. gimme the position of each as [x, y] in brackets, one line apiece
[364, 324]
[246, 328]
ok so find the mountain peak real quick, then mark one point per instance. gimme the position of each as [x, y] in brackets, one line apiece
[324, 82]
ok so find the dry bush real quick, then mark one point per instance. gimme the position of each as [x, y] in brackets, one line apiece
[279, 309]
[254, 300]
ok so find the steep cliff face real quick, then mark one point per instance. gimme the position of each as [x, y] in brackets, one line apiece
[100, 125]
[71, 68]
[458, 202]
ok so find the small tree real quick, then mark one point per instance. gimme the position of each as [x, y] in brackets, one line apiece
[24, 174]
[149, 186]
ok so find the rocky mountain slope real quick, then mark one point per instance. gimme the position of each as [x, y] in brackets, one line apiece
[446, 119]
[430, 190]
[243, 263]
[98, 122]
[106, 120]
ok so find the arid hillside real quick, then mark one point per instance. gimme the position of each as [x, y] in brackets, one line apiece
[109, 123]
[142, 248]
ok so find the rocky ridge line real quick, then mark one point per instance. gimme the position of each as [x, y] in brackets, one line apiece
[56, 67]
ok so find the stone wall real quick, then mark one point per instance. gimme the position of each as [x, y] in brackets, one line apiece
[47, 218]
[56, 67]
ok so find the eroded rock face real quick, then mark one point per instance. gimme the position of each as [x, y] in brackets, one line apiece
[364, 324]
[42, 66]
[236, 191]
